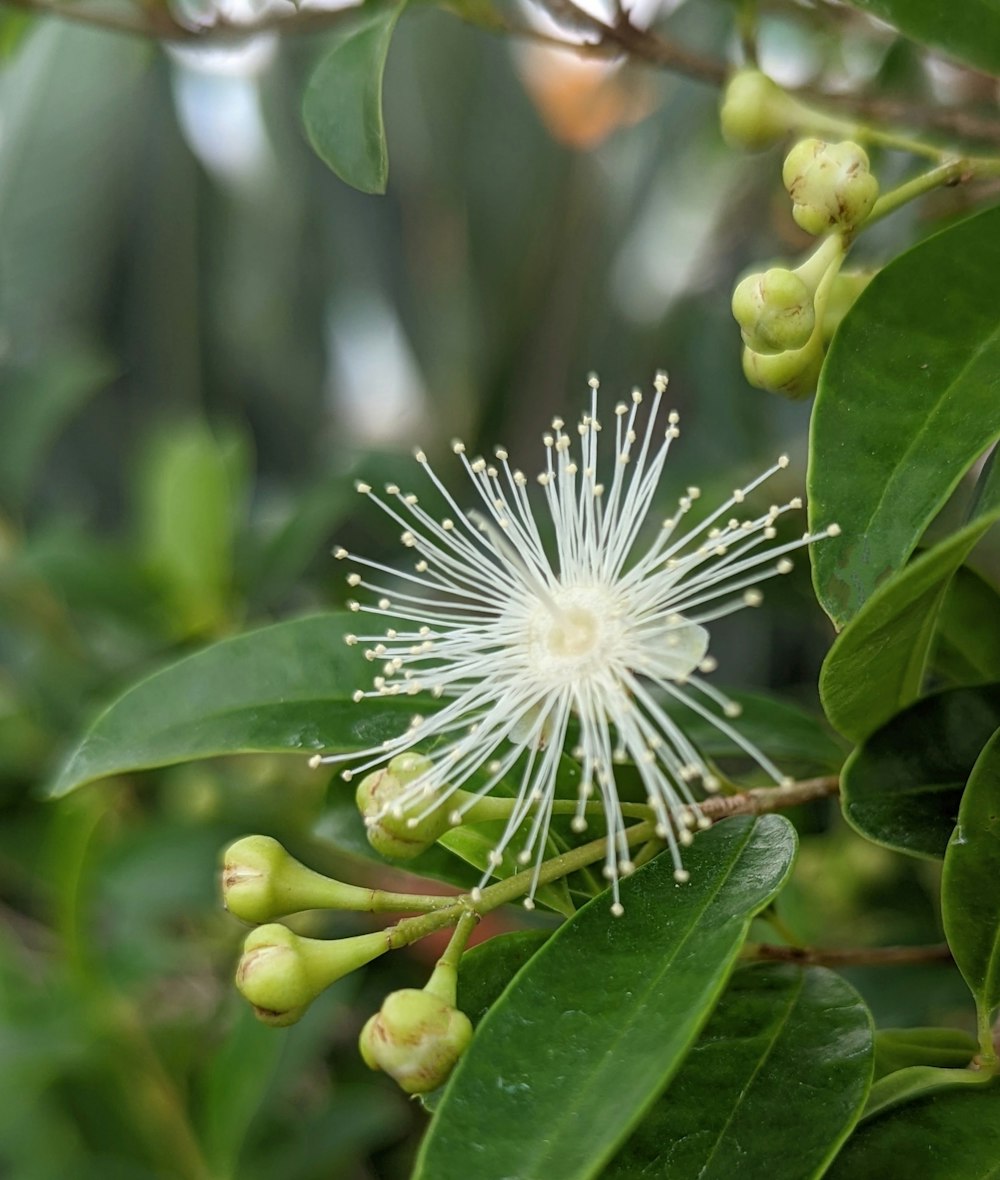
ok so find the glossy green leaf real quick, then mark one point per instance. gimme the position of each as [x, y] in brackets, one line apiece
[954, 1135]
[281, 689]
[903, 786]
[969, 30]
[780, 1074]
[901, 1048]
[876, 665]
[488, 968]
[917, 1081]
[970, 900]
[342, 108]
[909, 397]
[589, 1033]
[484, 974]
[967, 640]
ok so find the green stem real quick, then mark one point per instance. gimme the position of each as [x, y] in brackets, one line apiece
[952, 172]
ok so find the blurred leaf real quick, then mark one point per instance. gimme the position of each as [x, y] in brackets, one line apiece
[302, 535]
[780, 1073]
[986, 494]
[191, 492]
[876, 665]
[909, 397]
[590, 1031]
[785, 732]
[72, 96]
[918, 1081]
[969, 31]
[941, 1137]
[35, 405]
[967, 641]
[900, 1048]
[282, 689]
[903, 786]
[970, 901]
[235, 1083]
[342, 107]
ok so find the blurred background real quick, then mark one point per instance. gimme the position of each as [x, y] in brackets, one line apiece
[204, 337]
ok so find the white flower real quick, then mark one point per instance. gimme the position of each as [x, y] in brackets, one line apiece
[525, 629]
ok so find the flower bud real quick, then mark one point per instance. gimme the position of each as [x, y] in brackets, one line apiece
[756, 112]
[830, 185]
[793, 373]
[844, 290]
[774, 310]
[281, 973]
[261, 882]
[416, 1038]
[395, 817]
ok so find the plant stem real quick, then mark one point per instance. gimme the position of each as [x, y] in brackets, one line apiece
[758, 801]
[954, 171]
[881, 956]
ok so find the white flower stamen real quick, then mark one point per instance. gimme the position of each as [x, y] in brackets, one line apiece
[523, 638]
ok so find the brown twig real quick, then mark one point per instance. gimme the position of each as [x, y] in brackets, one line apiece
[762, 800]
[880, 956]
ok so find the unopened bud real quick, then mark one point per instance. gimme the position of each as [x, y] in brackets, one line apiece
[402, 821]
[844, 290]
[774, 310]
[281, 973]
[261, 882]
[830, 185]
[756, 112]
[793, 374]
[416, 1038]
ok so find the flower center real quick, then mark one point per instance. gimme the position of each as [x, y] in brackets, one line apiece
[573, 633]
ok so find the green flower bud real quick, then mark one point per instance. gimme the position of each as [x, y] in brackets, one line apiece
[281, 973]
[756, 112]
[793, 373]
[774, 310]
[398, 827]
[845, 289]
[261, 882]
[830, 185]
[416, 1038]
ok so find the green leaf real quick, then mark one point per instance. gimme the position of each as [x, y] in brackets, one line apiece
[191, 491]
[900, 1048]
[969, 30]
[903, 786]
[487, 969]
[34, 407]
[591, 1030]
[484, 974]
[281, 689]
[787, 733]
[947, 1136]
[876, 665]
[342, 108]
[909, 397]
[986, 494]
[918, 1081]
[967, 639]
[970, 901]
[780, 1074]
